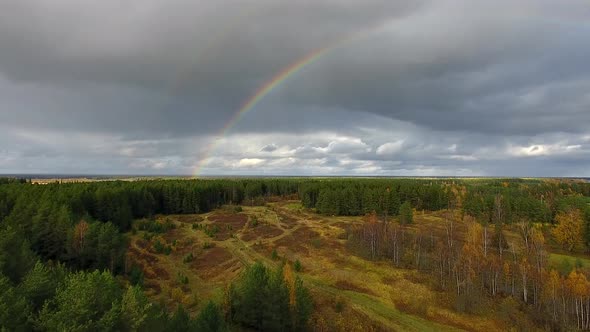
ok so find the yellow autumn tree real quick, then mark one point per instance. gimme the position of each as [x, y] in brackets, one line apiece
[472, 256]
[579, 288]
[551, 291]
[79, 235]
[569, 230]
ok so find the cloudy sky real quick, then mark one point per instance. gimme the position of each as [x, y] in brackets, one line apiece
[441, 87]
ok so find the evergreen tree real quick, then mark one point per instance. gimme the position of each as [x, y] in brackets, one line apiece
[86, 301]
[370, 201]
[138, 314]
[210, 319]
[41, 283]
[261, 300]
[406, 214]
[393, 203]
[104, 247]
[15, 311]
[303, 306]
[180, 321]
[275, 313]
[16, 257]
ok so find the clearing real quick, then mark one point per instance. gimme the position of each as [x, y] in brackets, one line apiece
[207, 251]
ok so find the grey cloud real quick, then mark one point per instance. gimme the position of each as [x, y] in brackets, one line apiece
[451, 69]
[411, 87]
[269, 148]
[175, 68]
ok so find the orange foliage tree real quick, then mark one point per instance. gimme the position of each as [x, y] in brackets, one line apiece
[569, 231]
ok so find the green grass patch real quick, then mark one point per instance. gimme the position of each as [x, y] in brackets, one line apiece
[566, 263]
[295, 206]
[382, 312]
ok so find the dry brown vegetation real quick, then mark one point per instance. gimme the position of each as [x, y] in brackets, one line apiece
[264, 231]
[351, 293]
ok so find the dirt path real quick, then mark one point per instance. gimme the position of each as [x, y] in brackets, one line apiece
[372, 306]
[376, 307]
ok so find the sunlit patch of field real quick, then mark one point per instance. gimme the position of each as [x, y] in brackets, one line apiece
[564, 263]
[351, 293]
[293, 206]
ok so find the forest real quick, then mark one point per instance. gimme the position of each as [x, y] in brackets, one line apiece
[63, 248]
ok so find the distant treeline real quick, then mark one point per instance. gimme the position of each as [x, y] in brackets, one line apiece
[352, 197]
[48, 216]
[536, 200]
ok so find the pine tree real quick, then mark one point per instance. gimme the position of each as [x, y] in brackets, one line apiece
[14, 308]
[40, 284]
[303, 306]
[393, 203]
[406, 213]
[137, 313]
[210, 319]
[180, 321]
[87, 301]
[16, 257]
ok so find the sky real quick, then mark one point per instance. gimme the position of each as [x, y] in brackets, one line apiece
[400, 88]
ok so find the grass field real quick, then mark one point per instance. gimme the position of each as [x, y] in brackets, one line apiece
[565, 263]
[208, 251]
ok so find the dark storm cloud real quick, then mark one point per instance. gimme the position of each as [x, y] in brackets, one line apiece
[502, 73]
[169, 62]
[410, 87]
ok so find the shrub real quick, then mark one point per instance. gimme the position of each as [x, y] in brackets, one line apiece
[188, 258]
[275, 255]
[158, 247]
[254, 221]
[565, 266]
[181, 278]
[162, 248]
[211, 231]
[177, 294]
[136, 276]
[339, 307]
[153, 226]
[297, 266]
[316, 242]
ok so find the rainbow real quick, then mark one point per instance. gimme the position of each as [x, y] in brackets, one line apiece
[291, 70]
[275, 81]
[264, 90]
